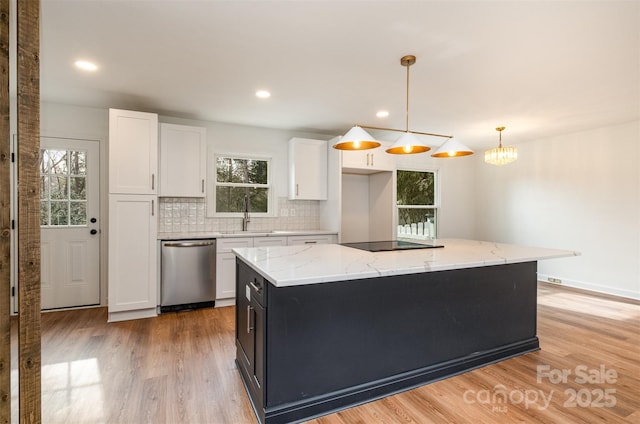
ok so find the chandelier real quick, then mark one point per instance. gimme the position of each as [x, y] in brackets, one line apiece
[501, 155]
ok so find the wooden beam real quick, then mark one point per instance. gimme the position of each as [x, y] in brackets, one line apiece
[5, 220]
[28, 76]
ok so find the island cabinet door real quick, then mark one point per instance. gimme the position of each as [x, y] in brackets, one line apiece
[259, 329]
[244, 318]
[251, 331]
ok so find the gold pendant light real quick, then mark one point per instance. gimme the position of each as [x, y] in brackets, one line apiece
[408, 143]
[358, 139]
[501, 155]
[452, 148]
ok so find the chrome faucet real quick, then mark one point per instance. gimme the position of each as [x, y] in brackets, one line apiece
[245, 219]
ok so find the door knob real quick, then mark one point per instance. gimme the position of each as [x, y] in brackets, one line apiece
[93, 231]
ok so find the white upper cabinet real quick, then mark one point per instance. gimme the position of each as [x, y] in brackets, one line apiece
[368, 161]
[183, 161]
[307, 169]
[133, 152]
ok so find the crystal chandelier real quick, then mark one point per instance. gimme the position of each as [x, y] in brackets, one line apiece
[501, 155]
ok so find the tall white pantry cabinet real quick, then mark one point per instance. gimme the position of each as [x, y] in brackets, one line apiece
[133, 203]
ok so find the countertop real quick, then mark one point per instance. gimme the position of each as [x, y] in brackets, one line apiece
[250, 233]
[322, 263]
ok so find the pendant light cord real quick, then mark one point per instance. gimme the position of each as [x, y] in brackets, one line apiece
[407, 117]
[500, 129]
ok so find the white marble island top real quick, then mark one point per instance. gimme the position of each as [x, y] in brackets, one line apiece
[322, 263]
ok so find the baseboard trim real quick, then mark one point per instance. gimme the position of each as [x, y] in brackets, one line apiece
[336, 401]
[127, 315]
[591, 287]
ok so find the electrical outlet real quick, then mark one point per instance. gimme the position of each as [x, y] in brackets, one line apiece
[554, 280]
[284, 212]
[292, 212]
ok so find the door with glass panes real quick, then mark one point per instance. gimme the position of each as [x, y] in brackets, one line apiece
[69, 222]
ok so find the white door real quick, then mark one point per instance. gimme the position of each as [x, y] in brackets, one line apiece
[69, 222]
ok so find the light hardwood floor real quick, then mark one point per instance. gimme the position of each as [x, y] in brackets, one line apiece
[178, 368]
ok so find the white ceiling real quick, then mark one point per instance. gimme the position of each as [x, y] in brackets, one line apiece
[537, 67]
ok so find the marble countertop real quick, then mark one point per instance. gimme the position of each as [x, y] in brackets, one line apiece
[250, 233]
[322, 263]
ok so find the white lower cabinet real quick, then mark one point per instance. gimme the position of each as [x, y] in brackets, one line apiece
[226, 266]
[226, 259]
[133, 285]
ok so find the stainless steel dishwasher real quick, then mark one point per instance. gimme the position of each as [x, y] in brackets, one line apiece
[187, 274]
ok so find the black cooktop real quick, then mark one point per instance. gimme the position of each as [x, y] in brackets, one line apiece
[381, 246]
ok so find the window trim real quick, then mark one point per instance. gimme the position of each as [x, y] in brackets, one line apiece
[68, 175]
[211, 190]
[436, 196]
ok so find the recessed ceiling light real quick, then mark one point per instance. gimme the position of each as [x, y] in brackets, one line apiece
[382, 114]
[85, 66]
[263, 94]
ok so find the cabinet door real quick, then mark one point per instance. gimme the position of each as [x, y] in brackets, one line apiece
[259, 345]
[226, 265]
[183, 161]
[245, 315]
[133, 152]
[368, 161]
[225, 275]
[356, 159]
[307, 169]
[132, 252]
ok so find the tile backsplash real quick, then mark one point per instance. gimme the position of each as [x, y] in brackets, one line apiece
[185, 214]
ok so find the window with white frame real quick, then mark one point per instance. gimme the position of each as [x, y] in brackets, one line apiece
[63, 193]
[241, 183]
[416, 204]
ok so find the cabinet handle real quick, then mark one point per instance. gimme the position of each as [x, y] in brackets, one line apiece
[297, 189]
[256, 288]
[190, 244]
[203, 185]
[367, 159]
[371, 159]
[153, 208]
[249, 327]
[310, 242]
[153, 181]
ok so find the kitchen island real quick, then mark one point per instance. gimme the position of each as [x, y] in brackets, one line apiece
[324, 327]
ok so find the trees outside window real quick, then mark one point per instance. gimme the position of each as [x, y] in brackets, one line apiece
[238, 179]
[63, 182]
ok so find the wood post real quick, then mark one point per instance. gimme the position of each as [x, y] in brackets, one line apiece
[28, 76]
[5, 220]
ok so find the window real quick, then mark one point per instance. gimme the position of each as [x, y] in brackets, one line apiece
[239, 180]
[416, 203]
[63, 182]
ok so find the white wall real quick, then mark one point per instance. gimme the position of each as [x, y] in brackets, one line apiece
[577, 191]
[355, 208]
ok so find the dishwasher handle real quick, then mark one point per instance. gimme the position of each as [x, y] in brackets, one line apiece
[190, 244]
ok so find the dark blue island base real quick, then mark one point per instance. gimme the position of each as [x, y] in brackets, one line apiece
[309, 350]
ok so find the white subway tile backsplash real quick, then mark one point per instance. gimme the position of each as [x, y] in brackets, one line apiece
[179, 214]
